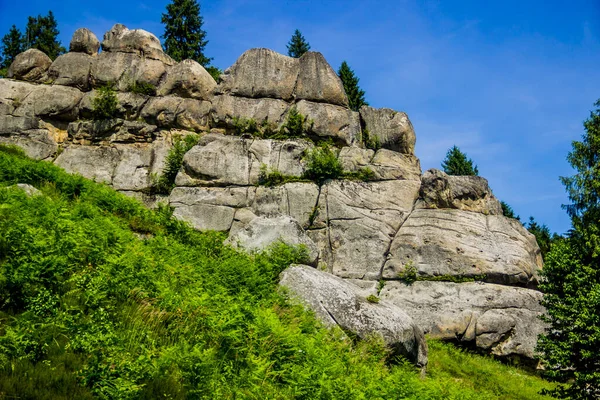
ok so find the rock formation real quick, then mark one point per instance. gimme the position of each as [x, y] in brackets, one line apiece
[474, 270]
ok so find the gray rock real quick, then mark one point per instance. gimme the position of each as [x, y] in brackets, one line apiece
[188, 79]
[467, 193]
[28, 189]
[137, 41]
[385, 164]
[338, 302]
[112, 131]
[14, 125]
[360, 221]
[501, 319]
[465, 244]
[71, 69]
[393, 129]
[262, 232]
[129, 105]
[12, 93]
[31, 65]
[261, 73]
[318, 82]
[84, 41]
[92, 162]
[126, 69]
[173, 112]
[37, 143]
[53, 102]
[220, 160]
[296, 199]
[330, 121]
[227, 109]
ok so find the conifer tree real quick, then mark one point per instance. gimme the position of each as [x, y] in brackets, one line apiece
[42, 33]
[571, 279]
[508, 211]
[12, 44]
[356, 96]
[184, 37]
[297, 45]
[457, 163]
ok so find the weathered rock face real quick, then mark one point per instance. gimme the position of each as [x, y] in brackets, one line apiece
[84, 41]
[393, 129]
[30, 65]
[440, 228]
[337, 303]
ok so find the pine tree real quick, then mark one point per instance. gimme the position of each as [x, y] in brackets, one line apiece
[297, 45]
[571, 278]
[12, 44]
[457, 163]
[42, 33]
[184, 37]
[508, 211]
[543, 236]
[356, 96]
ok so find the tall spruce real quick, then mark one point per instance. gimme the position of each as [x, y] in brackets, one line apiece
[12, 44]
[457, 163]
[571, 278]
[356, 96]
[42, 33]
[297, 45]
[184, 37]
[508, 211]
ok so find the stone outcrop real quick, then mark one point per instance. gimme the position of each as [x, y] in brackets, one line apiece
[383, 221]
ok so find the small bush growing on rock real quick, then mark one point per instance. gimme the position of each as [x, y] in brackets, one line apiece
[322, 164]
[273, 177]
[243, 125]
[104, 103]
[144, 88]
[296, 125]
[215, 73]
[409, 273]
[363, 174]
[370, 141]
[173, 162]
[373, 299]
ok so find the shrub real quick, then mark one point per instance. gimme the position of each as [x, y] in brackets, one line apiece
[363, 174]
[322, 164]
[370, 141]
[173, 162]
[215, 73]
[243, 125]
[104, 103]
[373, 299]
[144, 88]
[409, 273]
[296, 125]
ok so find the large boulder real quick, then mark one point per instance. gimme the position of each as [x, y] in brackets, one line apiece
[262, 232]
[84, 41]
[261, 73]
[71, 69]
[38, 144]
[385, 164]
[454, 244]
[137, 41]
[31, 65]
[51, 102]
[111, 131]
[501, 319]
[188, 79]
[175, 112]
[329, 121]
[10, 124]
[228, 111]
[318, 82]
[337, 302]
[467, 193]
[393, 129]
[125, 70]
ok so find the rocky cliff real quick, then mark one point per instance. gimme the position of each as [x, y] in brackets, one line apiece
[396, 252]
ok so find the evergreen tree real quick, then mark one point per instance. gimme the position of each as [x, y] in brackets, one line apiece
[12, 44]
[297, 45]
[508, 211]
[457, 163]
[184, 37]
[571, 278]
[543, 236]
[356, 96]
[42, 33]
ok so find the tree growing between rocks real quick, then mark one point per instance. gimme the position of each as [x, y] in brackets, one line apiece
[297, 45]
[571, 278]
[42, 33]
[508, 211]
[457, 163]
[12, 45]
[356, 96]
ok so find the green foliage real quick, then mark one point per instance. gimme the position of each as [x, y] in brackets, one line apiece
[409, 274]
[457, 163]
[243, 125]
[42, 33]
[508, 211]
[370, 141]
[104, 103]
[143, 88]
[296, 125]
[273, 177]
[11, 45]
[214, 72]
[571, 278]
[90, 309]
[297, 45]
[372, 299]
[356, 96]
[453, 278]
[173, 162]
[543, 236]
[322, 164]
[364, 174]
[184, 37]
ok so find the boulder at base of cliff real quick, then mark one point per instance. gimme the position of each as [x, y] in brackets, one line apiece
[335, 301]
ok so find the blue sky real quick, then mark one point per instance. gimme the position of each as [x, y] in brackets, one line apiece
[508, 82]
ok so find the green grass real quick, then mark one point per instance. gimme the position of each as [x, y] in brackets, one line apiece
[102, 298]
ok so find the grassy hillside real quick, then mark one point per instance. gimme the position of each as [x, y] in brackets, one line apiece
[101, 298]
